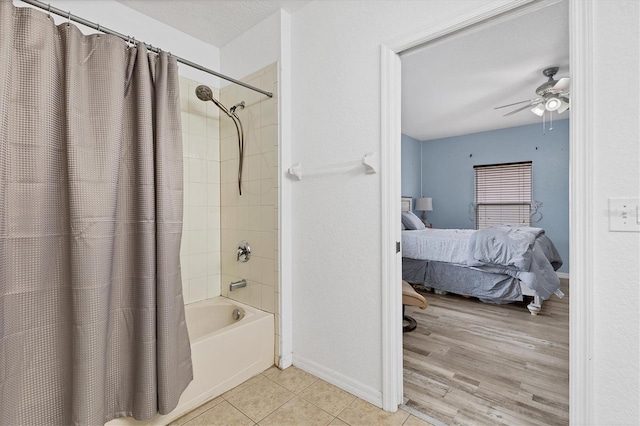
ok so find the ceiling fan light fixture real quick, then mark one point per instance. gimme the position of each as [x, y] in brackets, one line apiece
[553, 95]
[538, 110]
[563, 107]
[553, 104]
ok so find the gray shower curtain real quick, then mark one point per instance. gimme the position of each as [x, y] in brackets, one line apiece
[92, 320]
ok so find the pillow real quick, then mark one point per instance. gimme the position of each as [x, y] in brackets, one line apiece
[411, 221]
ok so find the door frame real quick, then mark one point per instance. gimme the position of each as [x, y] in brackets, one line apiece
[580, 204]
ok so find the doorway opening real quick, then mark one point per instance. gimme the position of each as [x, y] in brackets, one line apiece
[579, 184]
[477, 353]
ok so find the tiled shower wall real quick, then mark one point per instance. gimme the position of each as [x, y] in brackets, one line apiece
[216, 217]
[252, 216]
[200, 249]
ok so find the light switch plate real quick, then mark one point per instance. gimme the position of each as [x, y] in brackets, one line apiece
[624, 214]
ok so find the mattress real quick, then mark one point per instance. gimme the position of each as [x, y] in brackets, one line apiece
[439, 245]
[502, 254]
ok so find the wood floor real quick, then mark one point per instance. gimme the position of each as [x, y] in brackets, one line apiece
[474, 363]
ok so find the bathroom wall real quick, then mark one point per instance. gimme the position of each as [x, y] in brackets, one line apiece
[200, 250]
[266, 43]
[253, 215]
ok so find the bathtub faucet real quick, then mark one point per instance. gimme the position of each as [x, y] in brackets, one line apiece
[238, 284]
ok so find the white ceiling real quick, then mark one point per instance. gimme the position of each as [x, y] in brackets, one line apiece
[216, 22]
[451, 87]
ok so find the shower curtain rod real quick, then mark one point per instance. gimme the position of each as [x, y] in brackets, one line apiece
[100, 28]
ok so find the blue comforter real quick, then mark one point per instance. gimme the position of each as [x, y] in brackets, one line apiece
[521, 252]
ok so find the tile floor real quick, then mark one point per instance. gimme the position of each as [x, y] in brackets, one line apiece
[292, 397]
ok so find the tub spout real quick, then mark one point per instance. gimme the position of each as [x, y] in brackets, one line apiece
[237, 284]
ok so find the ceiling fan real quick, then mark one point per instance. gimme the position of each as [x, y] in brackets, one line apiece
[553, 96]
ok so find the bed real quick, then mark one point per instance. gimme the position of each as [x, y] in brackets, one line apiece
[497, 265]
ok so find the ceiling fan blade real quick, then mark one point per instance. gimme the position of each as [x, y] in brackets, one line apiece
[515, 103]
[533, 103]
[562, 85]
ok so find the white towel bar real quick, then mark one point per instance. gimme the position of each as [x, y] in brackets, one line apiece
[370, 161]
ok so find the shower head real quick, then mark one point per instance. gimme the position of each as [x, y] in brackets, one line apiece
[204, 93]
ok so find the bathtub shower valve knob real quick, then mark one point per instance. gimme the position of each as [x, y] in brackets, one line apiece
[244, 252]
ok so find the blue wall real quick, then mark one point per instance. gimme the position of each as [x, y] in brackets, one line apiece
[411, 163]
[447, 174]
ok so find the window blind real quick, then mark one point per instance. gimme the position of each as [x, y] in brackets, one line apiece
[503, 194]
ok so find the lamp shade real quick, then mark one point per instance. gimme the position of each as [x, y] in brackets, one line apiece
[424, 204]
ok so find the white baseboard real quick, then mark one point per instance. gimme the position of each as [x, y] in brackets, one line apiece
[358, 389]
[564, 275]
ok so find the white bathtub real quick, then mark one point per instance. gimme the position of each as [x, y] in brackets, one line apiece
[224, 352]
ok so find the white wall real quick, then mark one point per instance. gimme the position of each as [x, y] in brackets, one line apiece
[253, 50]
[337, 282]
[616, 174]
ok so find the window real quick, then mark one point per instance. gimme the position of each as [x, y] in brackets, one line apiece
[503, 194]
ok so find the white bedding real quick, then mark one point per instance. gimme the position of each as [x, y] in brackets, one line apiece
[443, 245]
